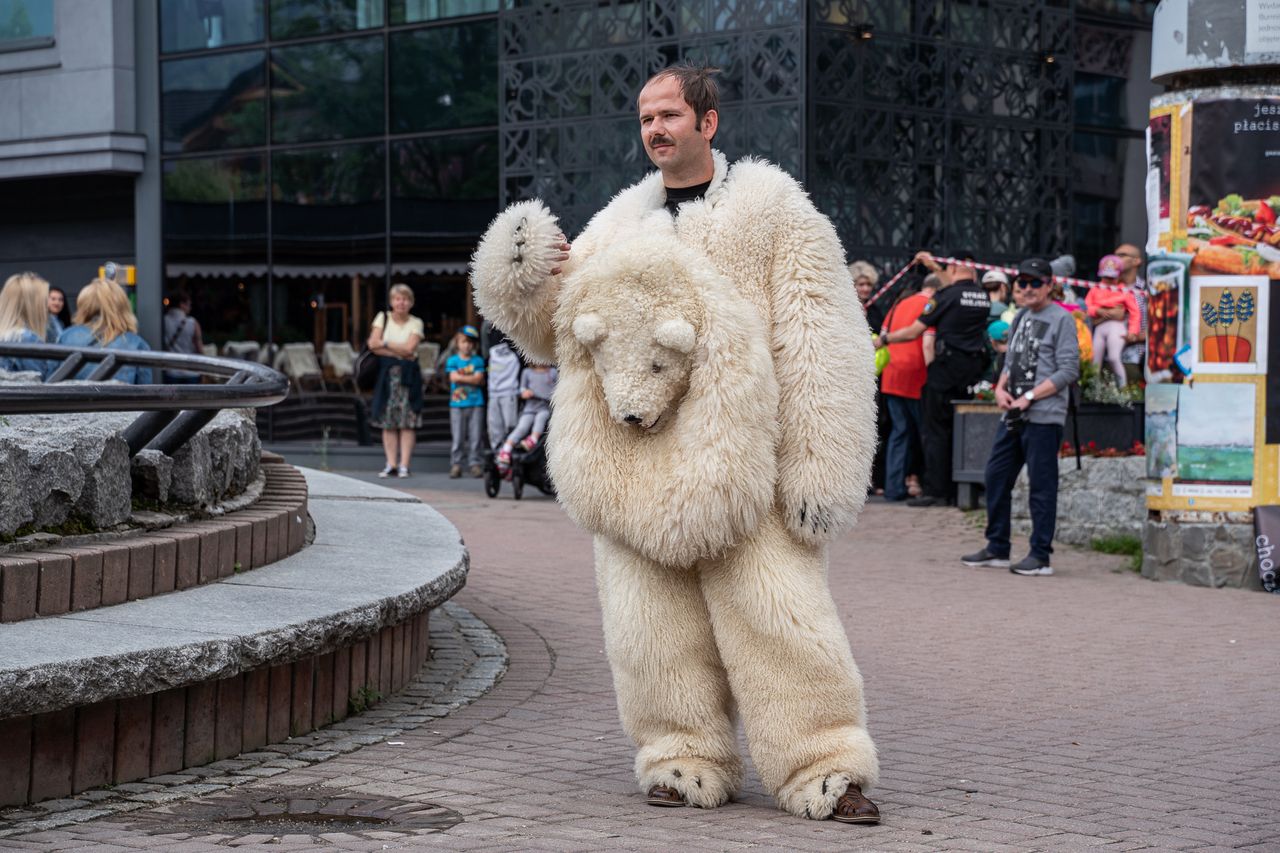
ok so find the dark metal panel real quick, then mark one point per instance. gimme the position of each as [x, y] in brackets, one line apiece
[569, 74]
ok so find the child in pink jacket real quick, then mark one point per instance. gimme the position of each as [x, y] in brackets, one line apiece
[1110, 336]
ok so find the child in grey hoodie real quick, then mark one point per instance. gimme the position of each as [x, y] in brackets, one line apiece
[536, 386]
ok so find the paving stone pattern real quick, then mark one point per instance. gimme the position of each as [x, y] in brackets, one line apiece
[1090, 709]
[467, 659]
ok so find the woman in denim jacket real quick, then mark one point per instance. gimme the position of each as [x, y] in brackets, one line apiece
[23, 309]
[104, 319]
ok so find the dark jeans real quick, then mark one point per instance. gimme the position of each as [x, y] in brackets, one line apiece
[903, 446]
[1036, 446]
[950, 378]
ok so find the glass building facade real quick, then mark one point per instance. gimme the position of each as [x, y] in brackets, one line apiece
[315, 150]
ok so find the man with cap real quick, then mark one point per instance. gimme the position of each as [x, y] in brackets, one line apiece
[958, 315]
[996, 284]
[1042, 361]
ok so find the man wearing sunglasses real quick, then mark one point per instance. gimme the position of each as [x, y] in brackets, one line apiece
[1042, 361]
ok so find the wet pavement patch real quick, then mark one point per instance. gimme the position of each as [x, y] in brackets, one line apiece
[277, 811]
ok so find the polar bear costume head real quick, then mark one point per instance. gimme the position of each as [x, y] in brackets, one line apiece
[643, 365]
[666, 410]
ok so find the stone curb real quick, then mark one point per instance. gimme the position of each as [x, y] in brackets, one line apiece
[468, 658]
[337, 592]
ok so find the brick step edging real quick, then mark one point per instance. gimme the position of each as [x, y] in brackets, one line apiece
[76, 578]
[60, 753]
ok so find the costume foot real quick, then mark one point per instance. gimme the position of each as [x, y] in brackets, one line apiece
[852, 807]
[661, 795]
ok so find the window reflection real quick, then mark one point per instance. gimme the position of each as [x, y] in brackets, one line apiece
[296, 18]
[215, 242]
[413, 11]
[327, 205]
[199, 24]
[442, 187]
[23, 20]
[214, 102]
[444, 77]
[327, 90]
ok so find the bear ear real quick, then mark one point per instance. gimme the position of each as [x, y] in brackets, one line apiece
[675, 335]
[589, 329]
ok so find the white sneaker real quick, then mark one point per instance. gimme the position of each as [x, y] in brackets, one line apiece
[387, 472]
[402, 472]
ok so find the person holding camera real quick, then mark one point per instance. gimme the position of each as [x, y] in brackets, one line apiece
[1042, 360]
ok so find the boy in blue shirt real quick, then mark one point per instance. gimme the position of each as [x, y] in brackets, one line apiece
[466, 402]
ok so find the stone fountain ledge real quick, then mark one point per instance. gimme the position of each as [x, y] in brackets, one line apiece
[353, 581]
[73, 471]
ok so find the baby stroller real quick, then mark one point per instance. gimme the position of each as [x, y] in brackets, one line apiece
[527, 467]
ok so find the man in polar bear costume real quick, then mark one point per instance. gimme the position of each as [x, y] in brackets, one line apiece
[714, 429]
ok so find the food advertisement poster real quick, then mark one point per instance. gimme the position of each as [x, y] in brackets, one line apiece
[1213, 196]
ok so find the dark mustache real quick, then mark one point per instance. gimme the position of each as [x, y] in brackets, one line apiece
[661, 140]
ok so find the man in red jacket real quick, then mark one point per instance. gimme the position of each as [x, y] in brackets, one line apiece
[901, 383]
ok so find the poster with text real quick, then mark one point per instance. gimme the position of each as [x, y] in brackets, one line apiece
[1233, 203]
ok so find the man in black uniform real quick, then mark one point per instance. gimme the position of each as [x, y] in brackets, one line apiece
[958, 316]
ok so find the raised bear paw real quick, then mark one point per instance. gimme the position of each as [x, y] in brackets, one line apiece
[518, 251]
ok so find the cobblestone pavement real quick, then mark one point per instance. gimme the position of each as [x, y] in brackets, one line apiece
[1090, 709]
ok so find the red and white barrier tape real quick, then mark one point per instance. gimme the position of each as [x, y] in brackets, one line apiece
[1011, 271]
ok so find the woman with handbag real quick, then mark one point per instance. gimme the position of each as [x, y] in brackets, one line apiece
[397, 396]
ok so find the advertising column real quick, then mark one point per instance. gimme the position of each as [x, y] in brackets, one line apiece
[1212, 402]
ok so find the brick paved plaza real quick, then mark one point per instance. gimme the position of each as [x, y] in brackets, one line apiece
[1091, 709]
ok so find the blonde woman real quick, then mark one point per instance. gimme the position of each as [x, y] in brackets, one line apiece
[397, 398]
[105, 319]
[23, 311]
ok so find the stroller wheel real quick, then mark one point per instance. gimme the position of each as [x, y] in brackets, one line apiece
[492, 480]
[517, 481]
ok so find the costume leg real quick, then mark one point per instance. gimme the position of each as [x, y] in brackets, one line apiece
[673, 696]
[792, 673]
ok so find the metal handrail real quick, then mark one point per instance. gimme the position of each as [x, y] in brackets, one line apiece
[171, 413]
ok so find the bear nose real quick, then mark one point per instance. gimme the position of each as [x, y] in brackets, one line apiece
[632, 419]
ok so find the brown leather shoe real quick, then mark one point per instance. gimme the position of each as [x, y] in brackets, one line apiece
[852, 807]
[666, 797]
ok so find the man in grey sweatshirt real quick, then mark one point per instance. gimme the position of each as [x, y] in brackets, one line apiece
[1042, 361]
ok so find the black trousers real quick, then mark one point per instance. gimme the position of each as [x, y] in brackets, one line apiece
[1035, 446]
[950, 377]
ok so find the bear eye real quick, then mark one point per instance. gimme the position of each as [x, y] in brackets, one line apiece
[655, 367]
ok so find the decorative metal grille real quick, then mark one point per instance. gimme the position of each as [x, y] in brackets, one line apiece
[939, 124]
[570, 73]
[914, 123]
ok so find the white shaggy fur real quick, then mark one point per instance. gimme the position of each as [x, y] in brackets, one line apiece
[674, 347]
[760, 231]
[714, 426]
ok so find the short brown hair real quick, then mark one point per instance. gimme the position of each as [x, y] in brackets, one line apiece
[697, 87]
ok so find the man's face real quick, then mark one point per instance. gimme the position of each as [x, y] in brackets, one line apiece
[1033, 293]
[1132, 258]
[667, 128]
[864, 288]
